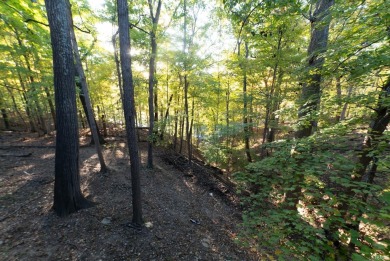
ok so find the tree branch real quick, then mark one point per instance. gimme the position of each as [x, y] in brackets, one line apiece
[38, 22]
[356, 52]
[35, 21]
[139, 28]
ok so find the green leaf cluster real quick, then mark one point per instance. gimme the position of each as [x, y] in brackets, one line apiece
[334, 209]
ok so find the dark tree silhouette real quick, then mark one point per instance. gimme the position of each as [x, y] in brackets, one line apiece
[67, 194]
[129, 108]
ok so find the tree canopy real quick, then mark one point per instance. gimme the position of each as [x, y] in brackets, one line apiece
[289, 98]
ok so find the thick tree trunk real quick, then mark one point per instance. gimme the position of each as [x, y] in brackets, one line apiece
[129, 108]
[365, 170]
[67, 193]
[377, 126]
[311, 92]
[311, 89]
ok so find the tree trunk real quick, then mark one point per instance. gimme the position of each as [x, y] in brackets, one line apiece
[83, 82]
[338, 95]
[67, 193]
[28, 105]
[117, 66]
[129, 108]
[311, 89]
[104, 124]
[16, 106]
[5, 118]
[245, 119]
[82, 119]
[189, 136]
[181, 133]
[164, 121]
[277, 76]
[377, 126]
[366, 158]
[83, 101]
[311, 92]
[39, 112]
[51, 106]
[153, 115]
[345, 107]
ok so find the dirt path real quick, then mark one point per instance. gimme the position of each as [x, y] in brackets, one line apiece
[185, 221]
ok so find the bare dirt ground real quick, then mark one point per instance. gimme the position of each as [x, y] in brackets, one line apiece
[185, 217]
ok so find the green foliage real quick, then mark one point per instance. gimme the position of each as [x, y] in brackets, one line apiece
[332, 205]
[215, 150]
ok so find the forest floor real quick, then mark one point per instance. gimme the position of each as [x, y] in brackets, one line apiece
[187, 215]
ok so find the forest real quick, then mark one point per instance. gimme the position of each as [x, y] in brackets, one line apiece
[259, 127]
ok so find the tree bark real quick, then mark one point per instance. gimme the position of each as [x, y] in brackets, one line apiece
[377, 126]
[129, 107]
[83, 82]
[67, 193]
[311, 89]
[366, 166]
[87, 114]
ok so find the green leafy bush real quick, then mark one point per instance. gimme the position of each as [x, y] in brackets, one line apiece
[305, 203]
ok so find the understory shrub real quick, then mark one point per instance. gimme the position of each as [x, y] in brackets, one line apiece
[305, 203]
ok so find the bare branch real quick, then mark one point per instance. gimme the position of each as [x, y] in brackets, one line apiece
[38, 22]
[139, 28]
